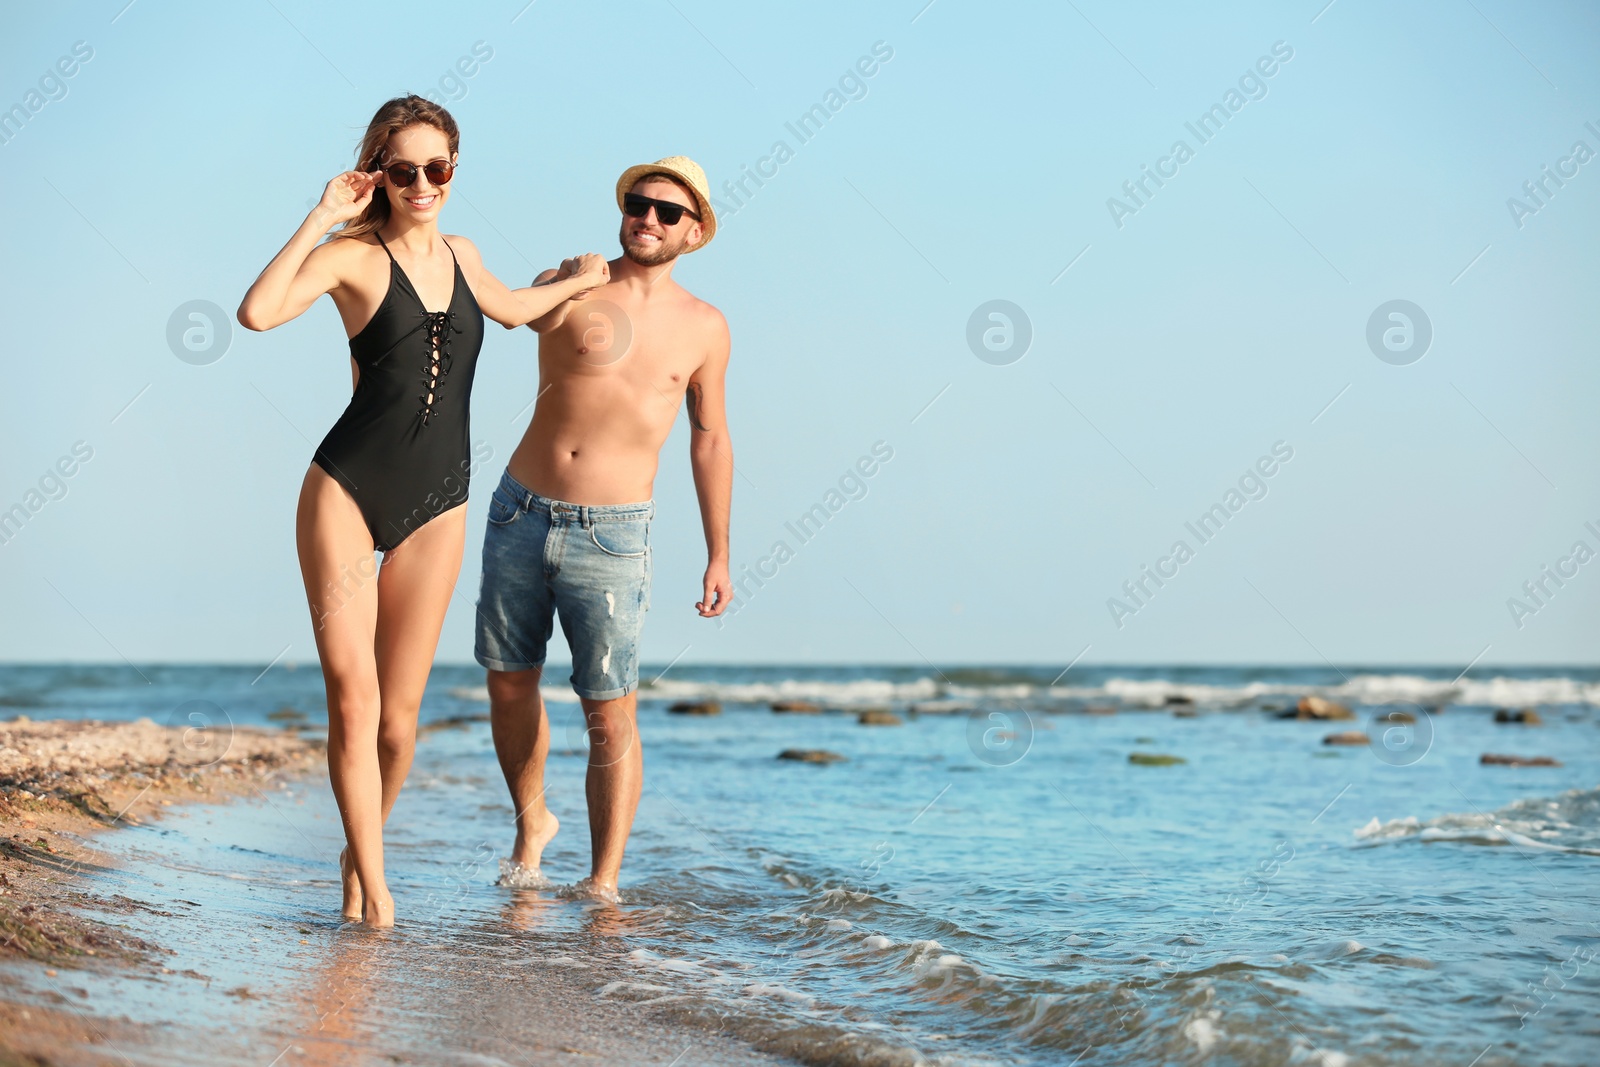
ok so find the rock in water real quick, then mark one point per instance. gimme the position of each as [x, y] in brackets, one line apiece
[796, 707]
[1346, 737]
[1314, 707]
[696, 707]
[1497, 760]
[1524, 716]
[811, 755]
[879, 717]
[1154, 759]
[941, 707]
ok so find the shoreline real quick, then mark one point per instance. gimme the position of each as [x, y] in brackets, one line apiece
[64, 782]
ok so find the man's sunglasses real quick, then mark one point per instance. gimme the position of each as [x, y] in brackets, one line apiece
[637, 207]
[404, 175]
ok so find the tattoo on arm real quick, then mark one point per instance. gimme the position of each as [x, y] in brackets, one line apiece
[694, 395]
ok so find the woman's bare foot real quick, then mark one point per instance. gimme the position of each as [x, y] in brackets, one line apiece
[528, 852]
[352, 887]
[377, 909]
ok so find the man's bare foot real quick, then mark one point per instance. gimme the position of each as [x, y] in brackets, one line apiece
[377, 910]
[515, 876]
[528, 852]
[590, 889]
[352, 887]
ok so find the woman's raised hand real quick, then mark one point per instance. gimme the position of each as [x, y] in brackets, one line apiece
[345, 197]
[591, 268]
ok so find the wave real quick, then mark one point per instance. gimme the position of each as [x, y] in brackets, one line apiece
[1569, 822]
[907, 994]
[853, 693]
[1489, 692]
[865, 692]
[1368, 689]
[553, 694]
[943, 694]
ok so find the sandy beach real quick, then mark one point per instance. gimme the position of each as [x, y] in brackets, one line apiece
[62, 784]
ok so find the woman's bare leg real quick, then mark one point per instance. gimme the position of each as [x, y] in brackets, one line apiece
[341, 578]
[414, 590]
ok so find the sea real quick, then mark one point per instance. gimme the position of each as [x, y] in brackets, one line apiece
[1107, 865]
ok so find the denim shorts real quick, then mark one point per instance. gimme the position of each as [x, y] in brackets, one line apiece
[588, 564]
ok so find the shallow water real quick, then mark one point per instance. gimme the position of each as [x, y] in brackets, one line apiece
[992, 882]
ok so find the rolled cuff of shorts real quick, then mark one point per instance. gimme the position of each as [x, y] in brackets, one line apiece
[503, 665]
[604, 694]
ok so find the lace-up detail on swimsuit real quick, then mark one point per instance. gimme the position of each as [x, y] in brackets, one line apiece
[439, 326]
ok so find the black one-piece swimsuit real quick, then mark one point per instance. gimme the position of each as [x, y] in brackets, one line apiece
[401, 448]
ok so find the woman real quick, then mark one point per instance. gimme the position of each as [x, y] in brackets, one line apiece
[391, 475]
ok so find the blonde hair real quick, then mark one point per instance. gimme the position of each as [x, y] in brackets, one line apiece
[401, 113]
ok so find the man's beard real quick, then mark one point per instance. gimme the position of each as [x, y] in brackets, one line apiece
[665, 252]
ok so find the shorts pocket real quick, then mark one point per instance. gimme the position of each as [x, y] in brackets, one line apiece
[625, 540]
[503, 511]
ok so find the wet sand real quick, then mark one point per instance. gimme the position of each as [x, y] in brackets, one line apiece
[62, 781]
[77, 924]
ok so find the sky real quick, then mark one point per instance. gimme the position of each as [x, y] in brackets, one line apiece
[1035, 463]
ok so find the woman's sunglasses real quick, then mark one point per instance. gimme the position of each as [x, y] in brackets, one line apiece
[404, 175]
[637, 207]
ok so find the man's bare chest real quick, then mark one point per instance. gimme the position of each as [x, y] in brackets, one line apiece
[602, 338]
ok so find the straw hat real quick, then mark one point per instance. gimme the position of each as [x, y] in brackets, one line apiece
[687, 169]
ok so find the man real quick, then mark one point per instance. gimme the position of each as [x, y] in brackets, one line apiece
[569, 524]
